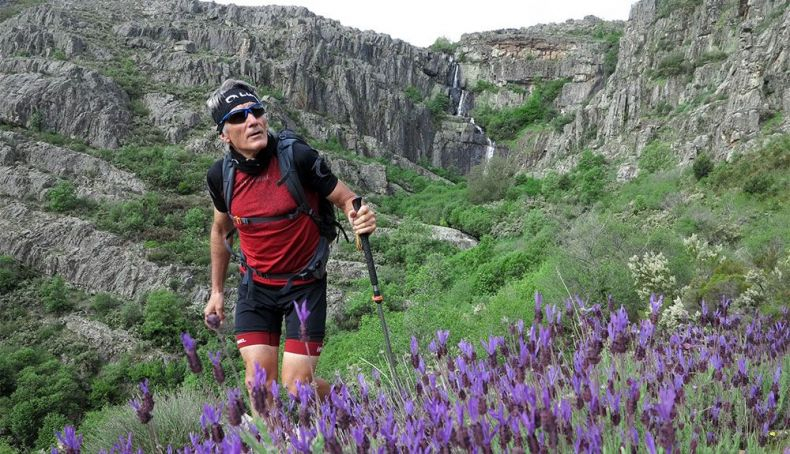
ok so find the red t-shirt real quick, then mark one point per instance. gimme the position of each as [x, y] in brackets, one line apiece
[278, 247]
[287, 245]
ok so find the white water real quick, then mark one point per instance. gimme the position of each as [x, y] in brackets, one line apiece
[461, 104]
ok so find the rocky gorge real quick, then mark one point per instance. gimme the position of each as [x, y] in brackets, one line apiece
[700, 76]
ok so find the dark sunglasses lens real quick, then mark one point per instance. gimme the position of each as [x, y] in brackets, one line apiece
[237, 117]
[241, 115]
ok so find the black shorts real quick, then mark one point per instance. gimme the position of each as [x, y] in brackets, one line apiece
[261, 309]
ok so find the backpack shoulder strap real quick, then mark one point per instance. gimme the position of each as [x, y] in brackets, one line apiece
[290, 174]
[228, 176]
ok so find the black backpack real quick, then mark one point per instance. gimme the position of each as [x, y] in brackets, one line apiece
[325, 219]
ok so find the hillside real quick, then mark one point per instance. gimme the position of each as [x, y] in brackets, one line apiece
[609, 160]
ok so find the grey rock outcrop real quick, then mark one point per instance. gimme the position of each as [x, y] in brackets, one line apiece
[29, 169]
[62, 97]
[171, 116]
[72, 248]
[110, 343]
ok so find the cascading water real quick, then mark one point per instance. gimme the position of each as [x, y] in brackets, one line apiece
[458, 99]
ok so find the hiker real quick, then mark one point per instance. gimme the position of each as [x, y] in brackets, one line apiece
[283, 241]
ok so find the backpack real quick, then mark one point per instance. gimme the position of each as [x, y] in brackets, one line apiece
[325, 219]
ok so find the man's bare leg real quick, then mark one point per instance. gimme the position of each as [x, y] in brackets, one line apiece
[266, 357]
[300, 368]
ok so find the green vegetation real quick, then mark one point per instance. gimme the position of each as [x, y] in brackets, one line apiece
[413, 93]
[666, 7]
[484, 86]
[656, 156]
[505, 124]
[444, 45]
[438, 106]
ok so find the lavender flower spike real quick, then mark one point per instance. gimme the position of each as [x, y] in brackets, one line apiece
[302, 312]
[69, 441]
[190, 349]
[219, 372]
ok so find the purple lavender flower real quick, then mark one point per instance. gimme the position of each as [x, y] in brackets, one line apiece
[219, 372]
[236, 407]
[618, 331]
[258, 395]
[210, 422]
[655, 307]
[415, 352]
[190, 349]
[146, 406]
[213, 321]
[69, 441]
[538, 307]
[302, 312]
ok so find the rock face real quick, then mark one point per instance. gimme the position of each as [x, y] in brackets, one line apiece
[73, 248]
[63, 97]
[703, 76]
[29, 169]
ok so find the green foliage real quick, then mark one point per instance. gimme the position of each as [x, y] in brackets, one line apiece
[10, 274]
[611, 39]
[444, 45]
[53, 294]
[438, 106]
[489, 181]
[504, 124]
[413, 94]
[484, 86]
[125, 73]
[63, 198]
[40, 388]
[131, 314]
[656, 156]
[409, 244]
[36, 121]
[52, 423]
[59, 54]
[102, 303]
[559, 122]
[169, 168]
[711, 56]
[163, 318]
[176, 415]
[703, 165]
[758, 185]
[673, 64]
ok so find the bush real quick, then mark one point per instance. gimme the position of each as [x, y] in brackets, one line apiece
[444, 45]
[438, 106]
[53, 294]
[63, 197]
[489, 181]
[758, 185]
[703, 165]
[673, 64]
[176, 414]
[163, 318]
[52, 423]
[103, 303]
[10, 274]
[483, 86]
[656, 157]
[413, 94]
[131, 314]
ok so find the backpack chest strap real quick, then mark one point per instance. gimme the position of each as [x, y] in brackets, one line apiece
[238, 220]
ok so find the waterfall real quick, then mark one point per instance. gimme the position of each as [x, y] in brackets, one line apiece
[490, 144]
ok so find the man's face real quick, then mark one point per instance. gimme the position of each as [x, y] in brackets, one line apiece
[248, 137]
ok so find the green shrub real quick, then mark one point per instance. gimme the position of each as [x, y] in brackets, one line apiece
[54, 295]
[438, 106]
[504, 124]
[444, 45]
[131, 314]
[10, 274]
[102, 303]
[703, 165]
[758, 185]
[413, 93]
[175, 416]
[673, 64]
[490, 180]
[46, 434]
[656, 156]
[163, 318]
[63, 197]
[36, 121]
[483, 86]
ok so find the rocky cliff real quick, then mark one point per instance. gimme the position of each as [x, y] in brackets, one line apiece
[702, 76]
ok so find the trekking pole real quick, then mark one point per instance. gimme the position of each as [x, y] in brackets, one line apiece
[377, 298]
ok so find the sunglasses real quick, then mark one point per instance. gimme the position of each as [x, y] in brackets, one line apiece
[240, 116]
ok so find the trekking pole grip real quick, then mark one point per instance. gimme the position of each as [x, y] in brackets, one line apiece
[357, 204]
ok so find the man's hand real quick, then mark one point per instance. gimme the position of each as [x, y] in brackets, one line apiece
[363, 220]
[215, 306]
